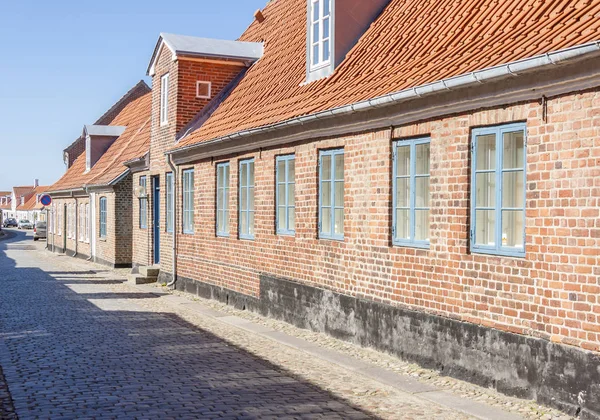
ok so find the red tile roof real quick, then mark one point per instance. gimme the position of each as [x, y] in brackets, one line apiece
[32, 203]
[413, 42]
[133, 143]
[22, 191]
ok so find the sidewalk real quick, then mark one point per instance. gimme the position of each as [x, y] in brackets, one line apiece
[382, 384]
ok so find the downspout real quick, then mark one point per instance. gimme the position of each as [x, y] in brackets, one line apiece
[174, 169]
[92, 223]
[76, 227]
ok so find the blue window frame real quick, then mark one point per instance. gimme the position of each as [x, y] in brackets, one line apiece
[331, 194]
[498, 183]
[410, 183]
[103, 217]
[285, 177]
[188, 201]
[144, 204]
[246, 199]
[222, 222]
[170, 202]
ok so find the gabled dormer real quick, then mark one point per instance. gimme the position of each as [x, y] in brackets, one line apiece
[98, 138]
[188, 73]
[332, 28]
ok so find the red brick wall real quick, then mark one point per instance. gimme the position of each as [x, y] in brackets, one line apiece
[83, 247]
[183, 107]
[553, 292]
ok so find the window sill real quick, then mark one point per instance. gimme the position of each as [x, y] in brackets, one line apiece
[102, 239]
[332, 238]
[411, 245]
[498, 253]
[187, 232]
[289, 234]
[222, 235]
[246, 238]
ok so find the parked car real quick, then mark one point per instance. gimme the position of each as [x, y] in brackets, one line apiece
[11, 223]
[25, 224]
[39, 231]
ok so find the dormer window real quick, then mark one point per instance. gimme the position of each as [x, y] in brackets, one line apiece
[320, 33]
[164, 99]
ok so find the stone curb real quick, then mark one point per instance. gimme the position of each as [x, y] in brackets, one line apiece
[400, 382]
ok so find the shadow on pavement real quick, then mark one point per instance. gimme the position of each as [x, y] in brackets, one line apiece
[65, 357]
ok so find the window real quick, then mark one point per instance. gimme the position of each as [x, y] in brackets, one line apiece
[410, 218]
[188, 201]
[87, 222]
[285, 195]
[81, 223]
[246, 199]
[143, 204]
[203, 90]
[331, 196]
[103, 215]
[59, 219]
[170, 201]
[223, 199]
[498, 190]
[164, 99]
[320, 29]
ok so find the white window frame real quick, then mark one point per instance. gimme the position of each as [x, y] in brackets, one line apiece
[334, 184]
[319, 43]
[87, 223]
[223, 180]
[201, 82]
[282, 203]
[170, 202]
[246, 213]
[164, 100]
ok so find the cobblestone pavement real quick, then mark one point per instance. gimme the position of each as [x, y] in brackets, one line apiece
[72, 347]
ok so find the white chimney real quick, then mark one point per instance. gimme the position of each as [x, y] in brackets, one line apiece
[36, 183]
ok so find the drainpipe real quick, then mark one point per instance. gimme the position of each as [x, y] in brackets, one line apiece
[174, 169]
[76, 227]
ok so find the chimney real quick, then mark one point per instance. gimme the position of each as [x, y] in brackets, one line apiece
[36, 183]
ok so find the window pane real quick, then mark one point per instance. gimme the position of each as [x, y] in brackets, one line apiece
[281, 171]
[486, 152]
[244, 199]
[422, 155]
[315, 32]
[326, 4]
[315, 54]
[326, 221]
[315, 10]
[403, 192]
[243, 223]
[291, 218]
[291, 170]
[512, 228]
[403, 160]
[402, 224]
[291, 195]
[226, 183]
[422, 192]
[251, 198]
[326, 193]
[251, 223]
[326, 51]
[422, 225]
[226, 199]
[339, 167]
[513, 150]
[251, 174]
[326, 167]
[281, 194]
[243, 175]
[219, 221]
[281, 222]
[339, 193]
[486, 189]
[219, 199]
[226, 221]
[339, 222]
[485, 222]
[512, 189]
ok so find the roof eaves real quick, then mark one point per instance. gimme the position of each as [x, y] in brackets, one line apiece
[511, 69]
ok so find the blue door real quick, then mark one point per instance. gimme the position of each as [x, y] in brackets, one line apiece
[156, 217]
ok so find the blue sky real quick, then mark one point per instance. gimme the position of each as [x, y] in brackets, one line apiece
[64, 63]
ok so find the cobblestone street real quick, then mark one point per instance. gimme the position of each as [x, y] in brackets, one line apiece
[75, 342]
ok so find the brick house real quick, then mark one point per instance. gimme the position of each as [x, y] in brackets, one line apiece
[32, 209]
[20, 195]
[426, 183]
[90, 215]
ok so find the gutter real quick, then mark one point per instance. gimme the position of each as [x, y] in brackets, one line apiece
[513, 69]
